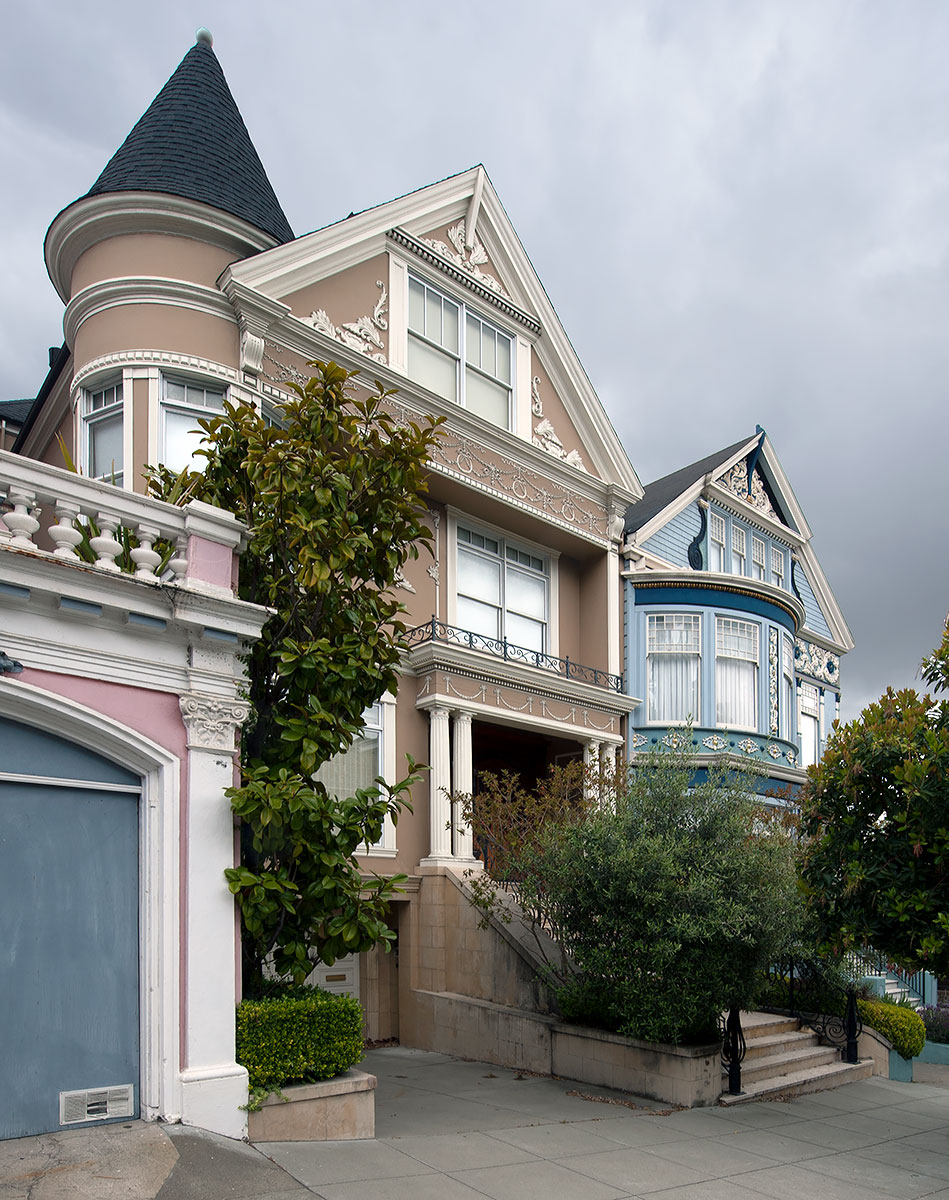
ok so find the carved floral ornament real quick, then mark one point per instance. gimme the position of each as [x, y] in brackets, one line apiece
[816, 662]
[466, 258]
[545, 435]
[211, 721]
[520, 702]
[363, 334]
[735, 480]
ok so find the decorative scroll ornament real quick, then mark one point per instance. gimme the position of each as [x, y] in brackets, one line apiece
[637, 741]
[748, 746]
[695, 546]
[545, 436]
[715, 742]
[361, 334]
[433, 572]
[791, 757]
[466, 259]
[401, 582]
[775, 751]
[816, 662]
[537, 405]
[735, 480]
[211, 721]
[674, 740]
[252, 352]
[773, 680]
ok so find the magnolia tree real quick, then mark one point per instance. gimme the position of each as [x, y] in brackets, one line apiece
[332, 495]
[875, 823]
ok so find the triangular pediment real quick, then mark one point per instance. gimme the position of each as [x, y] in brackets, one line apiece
[456, 232]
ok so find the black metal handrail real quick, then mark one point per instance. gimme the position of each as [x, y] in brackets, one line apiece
[803, 988]
[438, 631]
[867, 961]
[733, 1048]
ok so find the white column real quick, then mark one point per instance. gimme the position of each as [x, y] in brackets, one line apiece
[439, 786]
[462, 783]
[213, 1086]
[591, 762]
[822, 723]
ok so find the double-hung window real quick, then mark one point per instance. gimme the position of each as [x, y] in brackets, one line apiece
[787, 692]
[809, 724]
[777, 567]
[104, 433]
[736, 673]
[183, 403]
[360, 764]
[502, 590]
[459, 355]
[738, 550]
[673, 661]
[716, 542]
[758, 561]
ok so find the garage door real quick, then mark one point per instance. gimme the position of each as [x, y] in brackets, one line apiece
[69, 955]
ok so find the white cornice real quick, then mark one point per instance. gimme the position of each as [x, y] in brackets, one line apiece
[718, 581]
[753, 516]
[143, 289]
[93, 219]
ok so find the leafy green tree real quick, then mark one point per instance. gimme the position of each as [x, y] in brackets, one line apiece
[331, 494]
[875, 823]
[666, 898]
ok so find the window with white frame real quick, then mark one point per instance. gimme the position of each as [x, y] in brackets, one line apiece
[777, 567]
[183, 404]
[738, 550]
[787, 691]
[371, 755]
[809, 724]
[103, 433]
[736, 673]
[673, 667]
[459, 355]
[716, 542]
[759, 565]
[502, 590]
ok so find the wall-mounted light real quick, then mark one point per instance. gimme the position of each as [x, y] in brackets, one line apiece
[8, 665]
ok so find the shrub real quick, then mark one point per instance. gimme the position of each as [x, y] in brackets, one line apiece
[936, 1020]
[902, 1027]
[293, 1039]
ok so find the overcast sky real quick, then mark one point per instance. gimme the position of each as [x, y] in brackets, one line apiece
[739, 210]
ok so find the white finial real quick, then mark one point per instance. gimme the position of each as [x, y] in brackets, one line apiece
[204, 35]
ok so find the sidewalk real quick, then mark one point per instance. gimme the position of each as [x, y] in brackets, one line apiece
[465, 1131]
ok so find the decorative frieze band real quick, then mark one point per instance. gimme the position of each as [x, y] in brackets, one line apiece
[211, 722]
[816, 662]
[736, 481]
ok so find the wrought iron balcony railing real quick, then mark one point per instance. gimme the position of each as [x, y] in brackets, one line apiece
[438, 631]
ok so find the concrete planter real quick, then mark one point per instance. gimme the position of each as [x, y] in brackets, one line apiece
[340, 1109]
[934, 1052]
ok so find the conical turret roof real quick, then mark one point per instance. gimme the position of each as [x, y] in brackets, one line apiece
[192, 142]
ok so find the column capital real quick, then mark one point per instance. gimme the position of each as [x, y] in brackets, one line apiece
[212, 721]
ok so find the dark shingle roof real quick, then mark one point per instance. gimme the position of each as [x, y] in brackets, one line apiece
[657, 495]
[14, 412]
[192, 142]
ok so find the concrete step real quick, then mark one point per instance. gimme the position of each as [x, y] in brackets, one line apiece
[779, 1043]
[762, 1024]
[794, 1061]
[801, 1083]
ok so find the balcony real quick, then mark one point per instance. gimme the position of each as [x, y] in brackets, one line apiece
[438, 631]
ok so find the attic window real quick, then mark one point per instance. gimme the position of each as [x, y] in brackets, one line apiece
[457, 354]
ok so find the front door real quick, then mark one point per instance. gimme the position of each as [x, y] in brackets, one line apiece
[69, 954]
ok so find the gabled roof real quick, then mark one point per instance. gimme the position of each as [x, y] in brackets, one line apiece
[14, 412]
[664, 491]
[192, 142]
[58, 358]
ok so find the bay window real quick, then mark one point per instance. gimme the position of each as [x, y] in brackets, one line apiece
[758, 565]
[183, 403]
[738, 550]
[459, 355]
[673, 662]
[777, 567]
[502, 590]
[787, 691]
[104, 433]
[736, 673]
[809, 724]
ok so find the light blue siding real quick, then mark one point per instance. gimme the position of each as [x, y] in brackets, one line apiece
[814, 618]
[672, 541]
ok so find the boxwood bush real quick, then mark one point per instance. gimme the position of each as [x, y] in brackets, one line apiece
[902, 1027]
[301, 1037]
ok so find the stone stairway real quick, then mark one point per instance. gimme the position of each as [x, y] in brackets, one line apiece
[782, 1059]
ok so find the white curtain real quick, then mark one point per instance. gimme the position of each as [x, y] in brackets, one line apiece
[736, 693]
[673, 687]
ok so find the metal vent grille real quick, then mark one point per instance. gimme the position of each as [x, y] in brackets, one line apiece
[96, 1104]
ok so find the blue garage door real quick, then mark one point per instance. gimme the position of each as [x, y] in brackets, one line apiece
[69, 954]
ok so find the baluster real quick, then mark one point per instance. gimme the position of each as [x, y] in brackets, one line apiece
[21, 521]
[850, 1025]
[146, 559]
[65, 535]
[179, 563]
[105, 546]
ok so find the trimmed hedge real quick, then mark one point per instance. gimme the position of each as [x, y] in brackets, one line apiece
[902, 1027]
[293, 1039]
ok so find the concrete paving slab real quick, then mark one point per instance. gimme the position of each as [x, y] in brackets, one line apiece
[876, 1177]
[883, 1122]
[779, 1147]
[789, 1182]
[713, 1189]
[210, 1166]
[129, 1160]
[558, 1140]
[407, 1187]
[641, 1132]
[931, 1159]
[462, 1151]
[636, 1171]
[714, 1159]
[315, 1164]
[538, 1181]
[831, 1137]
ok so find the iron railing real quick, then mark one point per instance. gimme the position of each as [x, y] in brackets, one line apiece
[733, 1048]
[438, 631]
[918, 985]
[804, 989]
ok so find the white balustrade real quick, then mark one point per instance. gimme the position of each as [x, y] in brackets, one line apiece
[101, 516]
